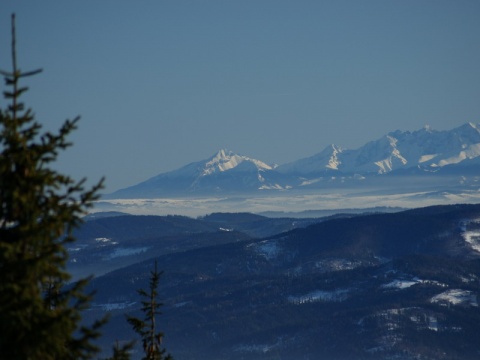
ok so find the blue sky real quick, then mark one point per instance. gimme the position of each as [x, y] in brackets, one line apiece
[159, 84]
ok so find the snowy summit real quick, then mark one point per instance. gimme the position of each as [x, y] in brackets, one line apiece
[445, 155]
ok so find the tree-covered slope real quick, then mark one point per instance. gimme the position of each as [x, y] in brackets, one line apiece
[377, 286]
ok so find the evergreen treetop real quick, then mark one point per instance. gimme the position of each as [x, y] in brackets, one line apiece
[39, 208]
[147, 327]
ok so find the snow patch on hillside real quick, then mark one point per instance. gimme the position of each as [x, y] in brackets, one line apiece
[473, 238]
[400, 284]
[334, 161]
[387, 164]
[425, 158]
[455, 297]
[105, 241]
[471, 233]
[392, 319]
[470, 152]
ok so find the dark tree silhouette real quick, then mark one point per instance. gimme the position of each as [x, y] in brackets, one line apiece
[39, 207]
[146, 328]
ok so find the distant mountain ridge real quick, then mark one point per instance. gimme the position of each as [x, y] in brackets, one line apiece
[425, 148]
[422, 151]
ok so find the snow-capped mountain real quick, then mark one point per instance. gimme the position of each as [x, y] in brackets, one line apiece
[328, 159]
[426, 148]
[224, 171]
[226, 160]
[425, 152]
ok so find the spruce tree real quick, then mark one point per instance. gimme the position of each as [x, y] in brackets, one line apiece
[147, 327]
[40, 318]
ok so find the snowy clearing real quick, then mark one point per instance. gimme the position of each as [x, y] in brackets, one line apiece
[400, 284]
[472, 238]
[455, 297]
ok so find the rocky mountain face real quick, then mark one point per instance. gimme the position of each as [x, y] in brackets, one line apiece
[223, 172]
[400, 285]
[426, 149]
[445, 155]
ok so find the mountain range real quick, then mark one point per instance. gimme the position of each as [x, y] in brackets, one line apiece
[441, 158]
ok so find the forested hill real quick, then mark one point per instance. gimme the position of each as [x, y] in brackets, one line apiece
[379, 286]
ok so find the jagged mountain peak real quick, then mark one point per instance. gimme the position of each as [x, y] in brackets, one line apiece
[327, 159]
[225, 160]
[399, 149]
[425, 150]
[223, 171]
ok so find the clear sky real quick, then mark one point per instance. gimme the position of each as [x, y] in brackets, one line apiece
[162, 83]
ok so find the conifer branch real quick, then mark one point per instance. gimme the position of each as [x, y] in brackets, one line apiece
[39, 208]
